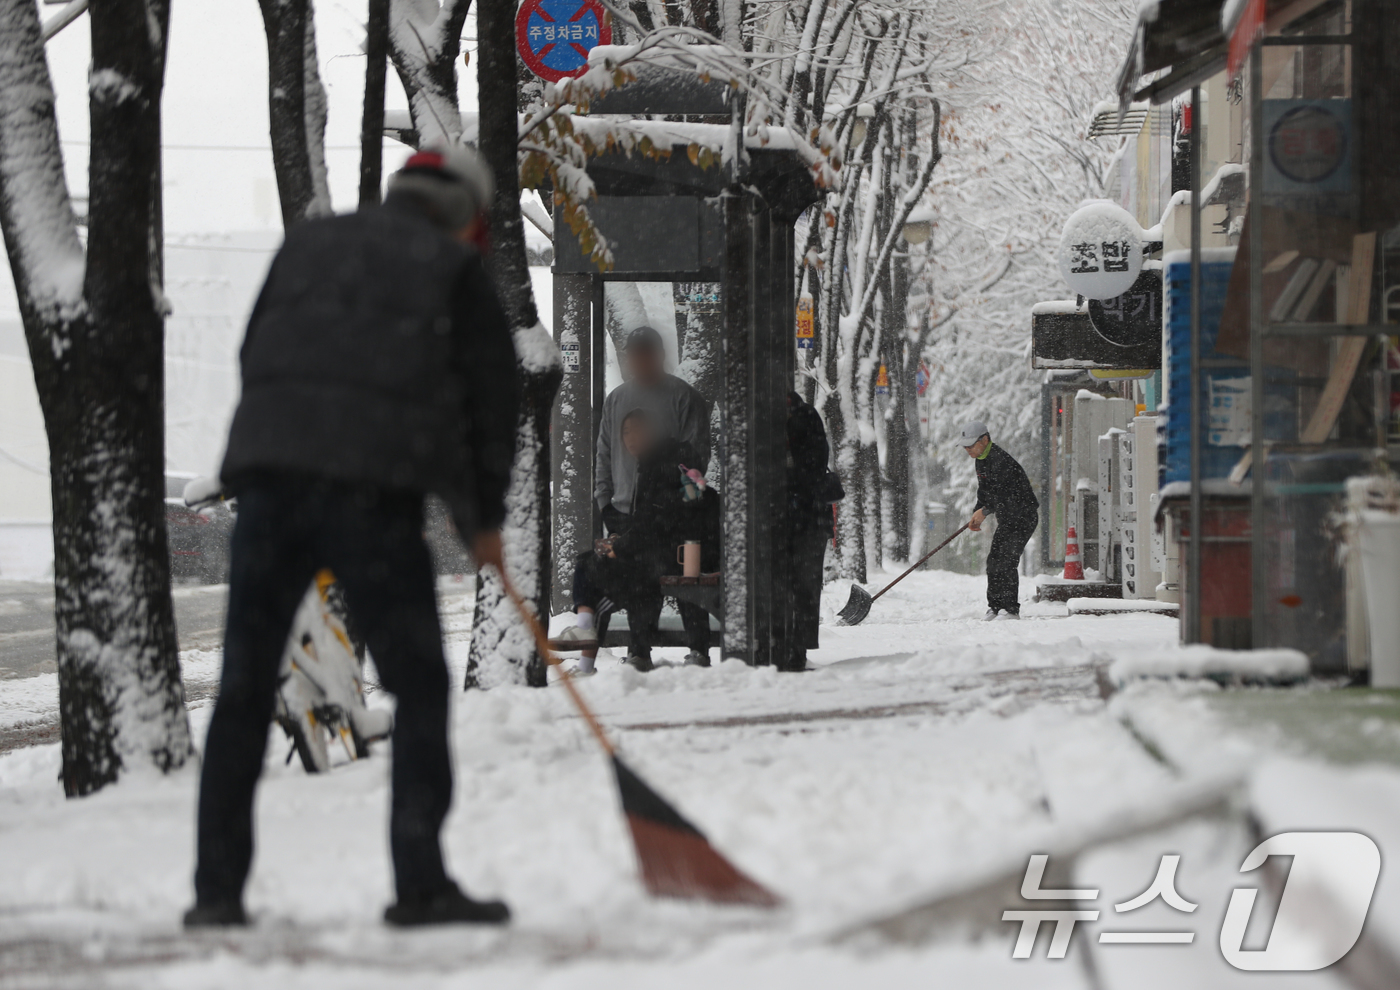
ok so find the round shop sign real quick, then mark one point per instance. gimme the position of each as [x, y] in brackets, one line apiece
[1100, 251]
[1134, 318]
[554, 37]
[1308, 143]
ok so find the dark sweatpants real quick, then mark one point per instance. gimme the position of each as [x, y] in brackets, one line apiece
[1003, 561]
[608, 585]
[289, 527]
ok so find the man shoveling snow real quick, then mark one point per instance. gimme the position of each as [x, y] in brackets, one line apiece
[1003, 490]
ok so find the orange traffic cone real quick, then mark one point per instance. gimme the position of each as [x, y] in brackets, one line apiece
[1074, 570]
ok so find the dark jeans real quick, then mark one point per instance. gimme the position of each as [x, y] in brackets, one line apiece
[1003, 561]
[289, 527]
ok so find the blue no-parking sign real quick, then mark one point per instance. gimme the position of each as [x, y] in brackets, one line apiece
[554, 37]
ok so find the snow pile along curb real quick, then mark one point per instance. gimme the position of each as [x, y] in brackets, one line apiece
[1121, 606]
[1227, 666]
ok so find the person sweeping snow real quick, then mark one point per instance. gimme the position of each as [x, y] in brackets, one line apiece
[377, 367]
[1003, 490]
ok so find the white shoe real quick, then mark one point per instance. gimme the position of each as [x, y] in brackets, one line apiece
[991, 614]
[1009, 615]
[575, 638]
[581, 670]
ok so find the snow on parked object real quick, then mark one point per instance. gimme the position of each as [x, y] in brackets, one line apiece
[1060, 307]
[1249, 666]
[1115, 606]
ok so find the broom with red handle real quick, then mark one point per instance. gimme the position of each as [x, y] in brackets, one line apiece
[675, 857]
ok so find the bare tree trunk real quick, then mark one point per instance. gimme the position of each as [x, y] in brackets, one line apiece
[372, 119]
[95, 329]
[296, 110]
[897, 428]
[502, 651]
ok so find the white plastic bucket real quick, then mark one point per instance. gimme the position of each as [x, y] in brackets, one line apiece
[1380, 562]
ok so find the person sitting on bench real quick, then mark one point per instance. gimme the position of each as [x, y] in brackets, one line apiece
[623, 571]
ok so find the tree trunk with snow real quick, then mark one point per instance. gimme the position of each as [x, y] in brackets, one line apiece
[625, 312]
[699, 326]
[425, 39]
[502, 650]
[296, 110]
[897, 414]
[95, 330]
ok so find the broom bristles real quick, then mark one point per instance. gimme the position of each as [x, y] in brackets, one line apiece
[685, 865]
[675, 857]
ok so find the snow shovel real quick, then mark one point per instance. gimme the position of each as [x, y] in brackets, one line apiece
[675, 857]
[858, 607]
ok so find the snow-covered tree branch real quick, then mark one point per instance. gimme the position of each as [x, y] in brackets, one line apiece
[425, 40]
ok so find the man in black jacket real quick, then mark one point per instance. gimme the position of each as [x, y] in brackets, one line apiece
[1003, 490]
[378, 367]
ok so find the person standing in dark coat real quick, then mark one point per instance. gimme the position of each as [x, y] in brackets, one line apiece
[809, 523]
[377, 368]
[1003, 490]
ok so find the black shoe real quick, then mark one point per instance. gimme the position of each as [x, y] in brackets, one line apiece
[221, 914]
[450, 906]
[637, 662]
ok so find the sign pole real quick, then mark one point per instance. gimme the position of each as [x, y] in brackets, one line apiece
[1193, 552]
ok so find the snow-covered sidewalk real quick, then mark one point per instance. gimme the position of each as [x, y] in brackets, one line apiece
[926, 749]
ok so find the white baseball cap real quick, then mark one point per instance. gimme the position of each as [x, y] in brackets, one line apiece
[972, 432]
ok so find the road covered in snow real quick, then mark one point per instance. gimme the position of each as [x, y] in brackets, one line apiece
[928, 755]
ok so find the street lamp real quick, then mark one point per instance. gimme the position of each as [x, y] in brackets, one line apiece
[919, 225]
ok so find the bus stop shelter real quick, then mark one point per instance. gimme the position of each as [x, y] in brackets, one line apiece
[669, 219]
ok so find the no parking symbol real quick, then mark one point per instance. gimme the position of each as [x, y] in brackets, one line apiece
[554, 37]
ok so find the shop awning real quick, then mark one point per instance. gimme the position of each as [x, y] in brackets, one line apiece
[1183, 36]
[1111, 120]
